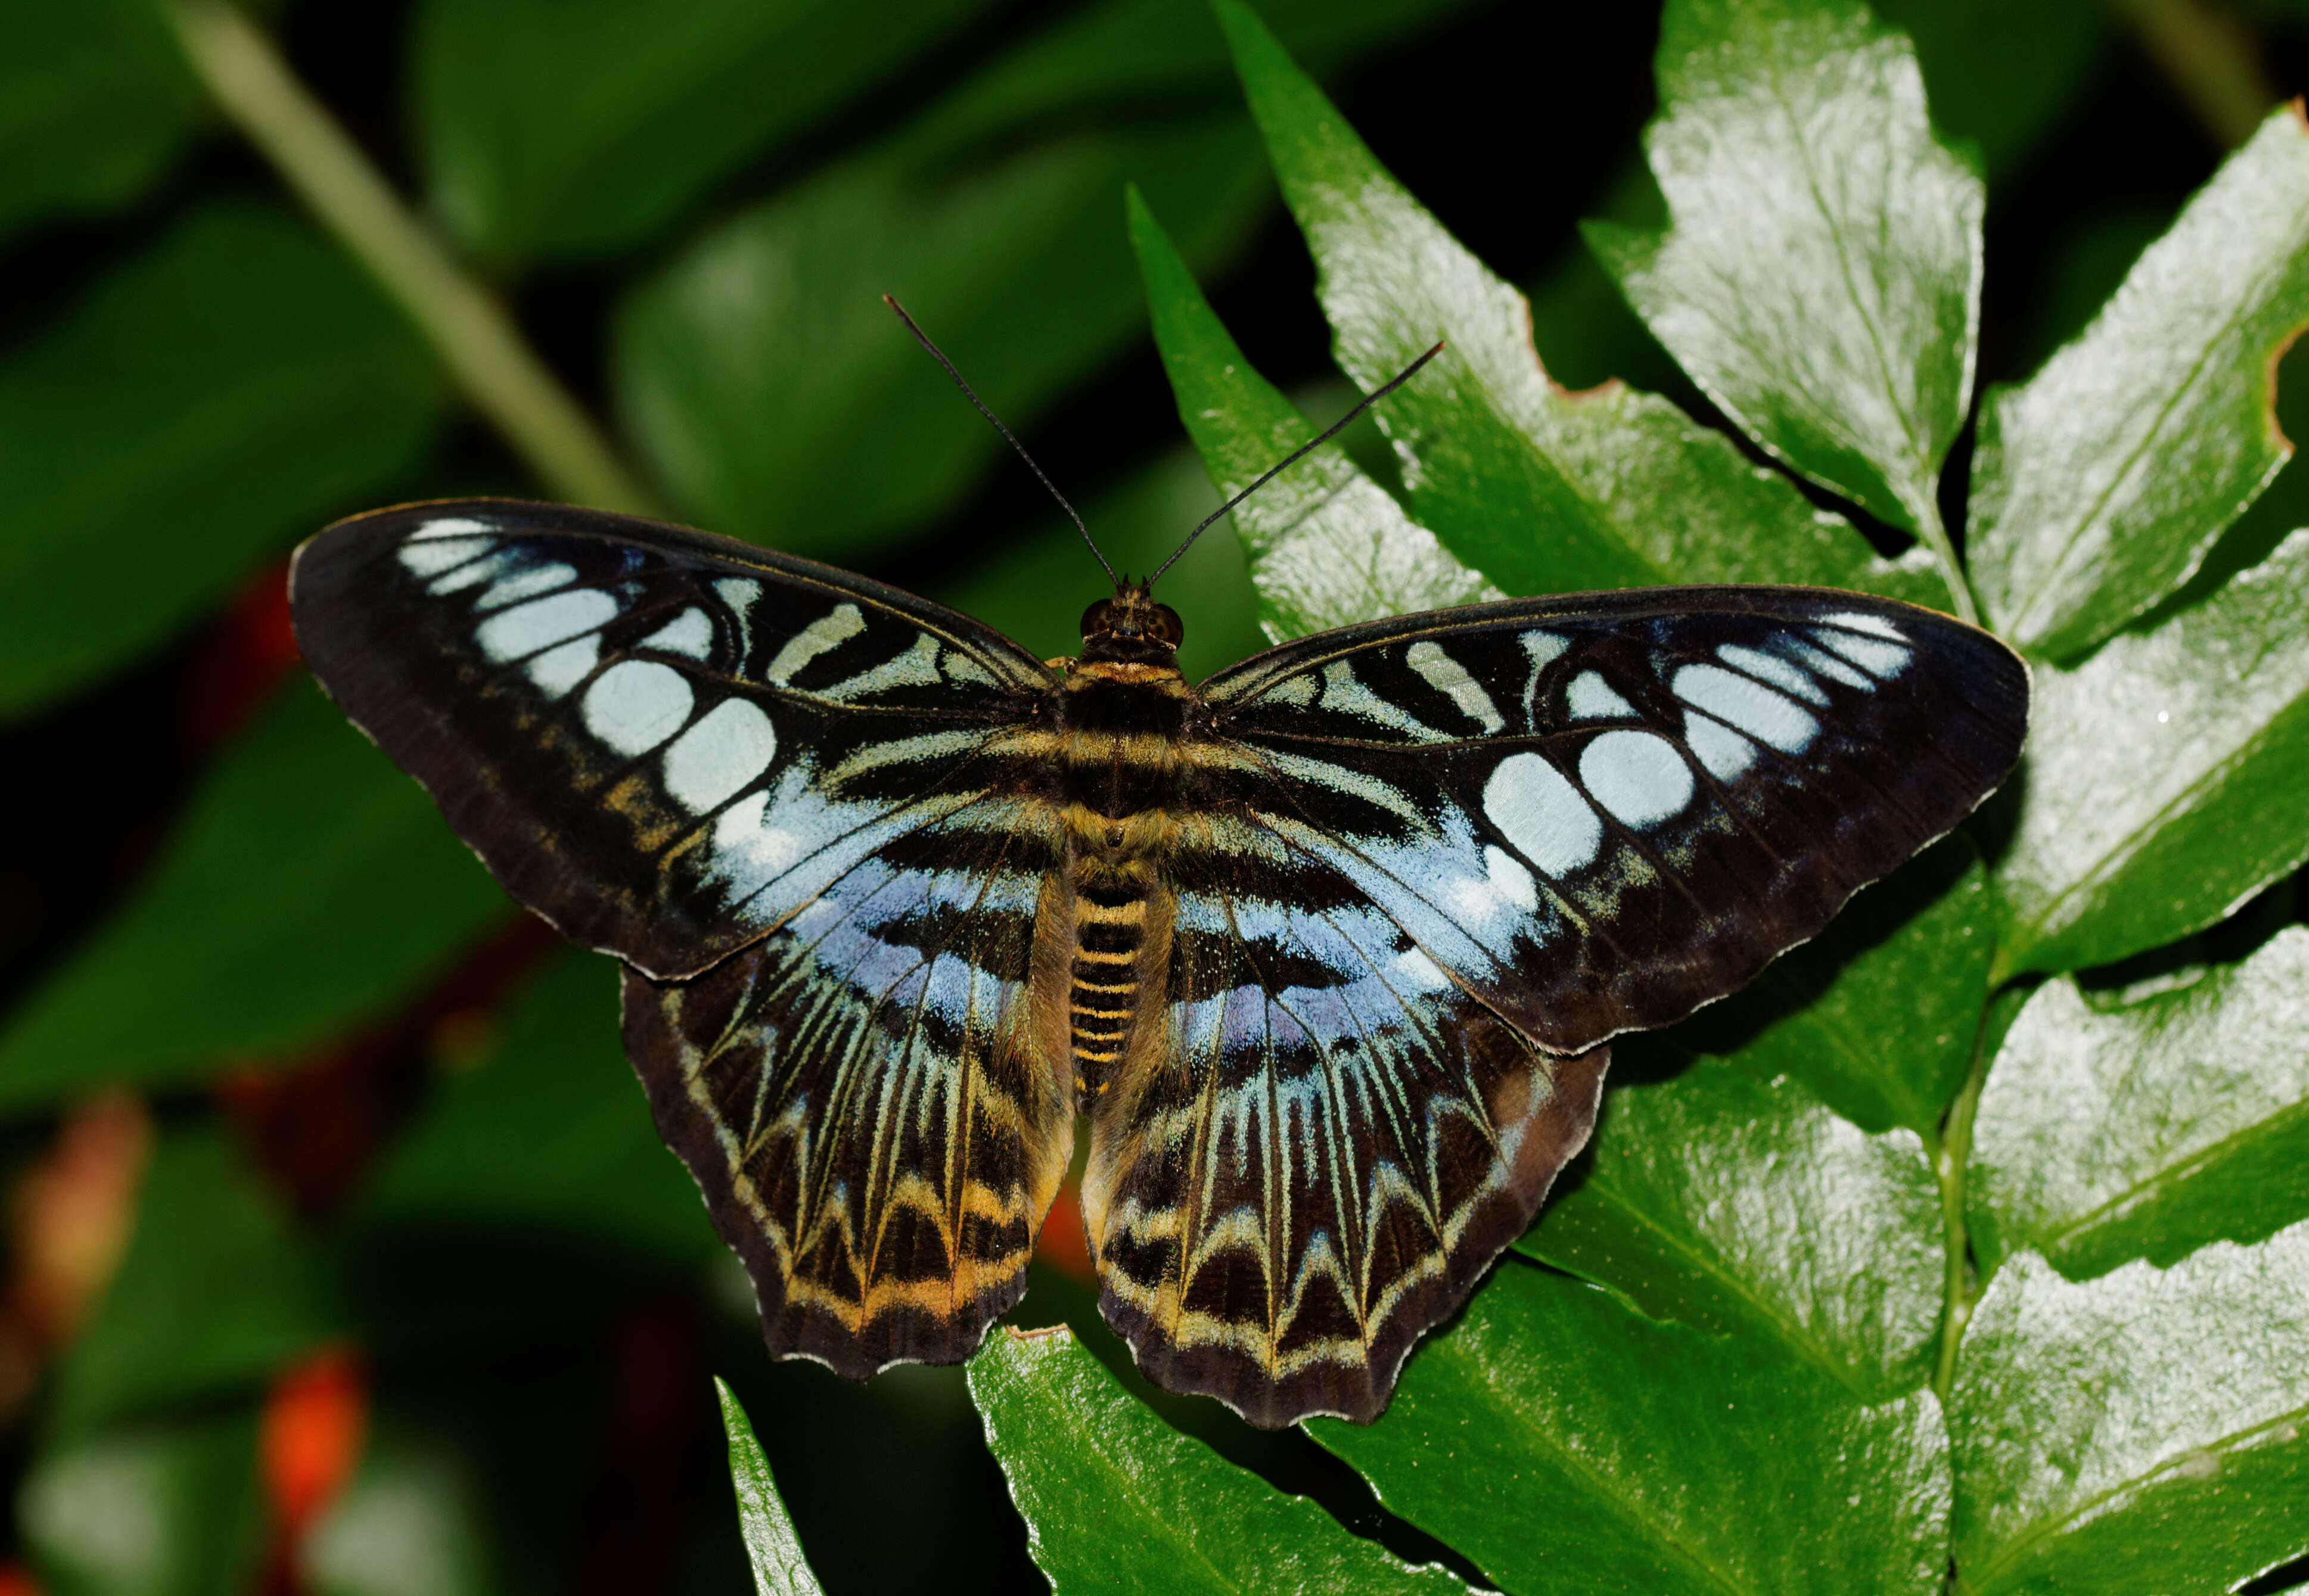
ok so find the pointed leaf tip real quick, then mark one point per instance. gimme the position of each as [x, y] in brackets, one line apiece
[772, 1547]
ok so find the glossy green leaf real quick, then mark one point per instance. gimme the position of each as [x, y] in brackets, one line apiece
[566, 128]
[1327, 545]
[547, 1131]
[2101, 483]
[309, 886]
[204, 404]
[2162, 786]
[780, 400]
[1116, 1500]
[1568, 1444]
[1917, 945]
[1820, 276]
[2149, 1127]
[2141, 1433]
[1541, 490]
[160, 1509]
[216, 1291]
[1734, 1204]
[94, 103]
[773, 1549]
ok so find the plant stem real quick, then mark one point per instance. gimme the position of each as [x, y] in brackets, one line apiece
[1935, 535]
[468, 327]
[2211, 59]
[1950, 1158]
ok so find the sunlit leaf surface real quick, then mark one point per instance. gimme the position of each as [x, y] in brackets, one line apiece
[2162, 786]
[772, 1548]
[2149, 1127]
[2101, 483]
[2138, 1433]
[1820, 274]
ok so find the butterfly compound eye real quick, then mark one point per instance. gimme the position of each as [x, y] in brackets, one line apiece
[1098, 619]
[1168, 627]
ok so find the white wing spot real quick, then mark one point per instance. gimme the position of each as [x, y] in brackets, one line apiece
[1860, 621]
[1542, 813]
[1724, 751]
[526, 585]
[961, 667]
[558, 669]
[1747, 704]
[532, 627]
[1827, 665]
[1446, 676]
[1878, 659]
[690, 632]
[1777, 671]
[1637, 775]
[731, 745]
[1297, 691]
[636, 704]
[1591, 698]
[451, 526]
[431, 557]
[829, 631]
[917, 666]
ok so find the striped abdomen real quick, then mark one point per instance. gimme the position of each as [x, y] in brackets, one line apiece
[1113, 902]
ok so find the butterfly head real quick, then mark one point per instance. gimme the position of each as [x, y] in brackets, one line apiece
[1130, 628]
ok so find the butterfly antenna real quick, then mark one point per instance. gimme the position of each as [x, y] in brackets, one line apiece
[1292, 459]
[939, 355]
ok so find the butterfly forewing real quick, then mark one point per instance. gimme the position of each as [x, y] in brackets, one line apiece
[660, 741]
[1600, 811]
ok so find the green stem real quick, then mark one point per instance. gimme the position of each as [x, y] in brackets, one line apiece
[2211, 59]
[1935, 538]
[468, 327]
[1951, 1159]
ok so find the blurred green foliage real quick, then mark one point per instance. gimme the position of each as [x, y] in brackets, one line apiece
[2048, 1079]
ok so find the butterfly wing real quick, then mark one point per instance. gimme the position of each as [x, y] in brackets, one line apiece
[662, 741]
[781, 795]
[1437, 862]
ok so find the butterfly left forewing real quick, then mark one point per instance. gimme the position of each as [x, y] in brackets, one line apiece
[662, 741]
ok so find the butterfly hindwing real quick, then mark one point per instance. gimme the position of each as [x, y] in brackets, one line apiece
[862, 1096]
[662, 742]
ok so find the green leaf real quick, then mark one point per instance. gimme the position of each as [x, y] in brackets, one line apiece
[1917, 945]
[162, 1509]
[95, 102]
[567, 127]
[309, 886]
[2162, 786]
[1734, 1204]
[773, 1549]
[2148, 1128]
[1115, 1500]
[1328, 547]
[780, 399]
[1819, 277]
[217, 1290]
[550, 1130]
[1541, 491]
[2139, 1433]
[1568, 1444]
[2101, 483]
[206, 402]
